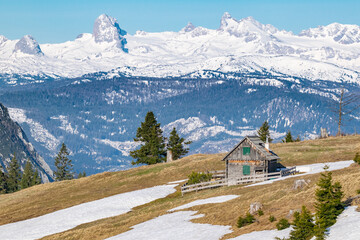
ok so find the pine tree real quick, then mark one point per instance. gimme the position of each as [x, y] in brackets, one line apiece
[3, 181]
[328, 204]
[27, 177]
[14, 175]
[303, 225]
[176, 145]
[264, 132]
[63, 165]
[81, 175]
[153, 149]
[288, 137]
[36, 179]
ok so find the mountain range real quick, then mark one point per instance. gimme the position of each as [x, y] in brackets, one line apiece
[214, 85]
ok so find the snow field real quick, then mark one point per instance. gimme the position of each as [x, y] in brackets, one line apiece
[177, 225]
[69, 218]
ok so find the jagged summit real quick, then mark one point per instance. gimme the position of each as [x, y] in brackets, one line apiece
[246, 27]
[188, 28]
[27, 44]
[3, 39]
[107, 29]
[341, 33]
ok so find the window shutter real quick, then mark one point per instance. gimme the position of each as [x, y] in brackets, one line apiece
[246, 150]
[246, 170]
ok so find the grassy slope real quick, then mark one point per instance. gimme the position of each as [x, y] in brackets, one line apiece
[276, 197]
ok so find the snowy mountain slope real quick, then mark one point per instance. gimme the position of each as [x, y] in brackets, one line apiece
[97, 115]
[236, 46]
[13, 141]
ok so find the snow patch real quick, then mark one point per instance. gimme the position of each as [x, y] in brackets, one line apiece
[218, 199]
[69, 218]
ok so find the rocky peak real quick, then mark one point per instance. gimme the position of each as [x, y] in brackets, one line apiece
[27, 44]
[2, 39]
[188, 28]
[107, 29]
[341, 33]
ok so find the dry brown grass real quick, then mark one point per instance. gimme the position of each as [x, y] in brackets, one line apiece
[46, 198]
[278, 199]
[321, 150]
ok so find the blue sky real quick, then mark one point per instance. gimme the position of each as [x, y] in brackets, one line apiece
[54, 21]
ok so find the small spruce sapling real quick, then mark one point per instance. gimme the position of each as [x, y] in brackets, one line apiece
[303, 225]
[282, 224]
[272, 218]
[249, 219]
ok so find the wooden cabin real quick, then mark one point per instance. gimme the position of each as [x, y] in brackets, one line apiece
[250, 156]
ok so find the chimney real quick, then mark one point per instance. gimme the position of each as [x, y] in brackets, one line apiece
[267, 145]
[169, 156]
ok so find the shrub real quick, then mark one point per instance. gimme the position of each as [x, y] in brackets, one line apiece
[358, 191]
[357, 158]
[272, 218]
[260, 212]
[282, 224]
[249, 219]
[196, 177]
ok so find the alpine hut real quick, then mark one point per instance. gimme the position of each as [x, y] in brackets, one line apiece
[250, 156]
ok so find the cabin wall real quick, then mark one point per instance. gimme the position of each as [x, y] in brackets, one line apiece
[236, 160]
[238, 153]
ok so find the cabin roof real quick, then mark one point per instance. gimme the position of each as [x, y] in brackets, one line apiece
[259, 145]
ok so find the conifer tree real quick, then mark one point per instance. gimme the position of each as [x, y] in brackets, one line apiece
[3, 181]
[153, 149]
[81, 175]
[303, 225]
[328, 204]
[14, 175]
[27, 177]
[264, 132]
[176, 145]
[63, 165]
[288, 137]
[36, 179]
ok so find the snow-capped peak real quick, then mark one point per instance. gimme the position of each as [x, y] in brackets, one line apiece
[188, 28]
[2, 39]
[226, 21]
[107, 29]
[246, 27]
[27, 44]
[341, 33]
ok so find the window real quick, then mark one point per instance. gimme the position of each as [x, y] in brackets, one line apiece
[246, 150]
[246, 170]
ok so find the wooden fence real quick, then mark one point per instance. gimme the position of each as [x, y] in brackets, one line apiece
[242, 180]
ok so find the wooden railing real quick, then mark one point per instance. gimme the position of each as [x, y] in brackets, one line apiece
[237, 181]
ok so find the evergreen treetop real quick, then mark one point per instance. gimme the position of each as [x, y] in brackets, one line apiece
[152, 150]
[328, 204]
[264, 132]
[14, 175]
[288, 137]
[303, 225]
[63, 165]
[3, 181]
[26, 180]
[176, 145]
